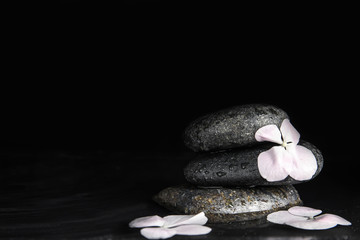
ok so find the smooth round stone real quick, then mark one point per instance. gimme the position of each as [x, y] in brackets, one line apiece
[231, 127]
[223, 205]
[238, 167]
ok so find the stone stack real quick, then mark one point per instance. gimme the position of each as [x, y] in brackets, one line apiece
[224, 178]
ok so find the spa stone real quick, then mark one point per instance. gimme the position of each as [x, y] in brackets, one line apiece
[237, 167]
[231, 127]
[223, 205]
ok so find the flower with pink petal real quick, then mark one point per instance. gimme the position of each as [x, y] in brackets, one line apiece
[306, 218]
[287, 159]
[155, 227]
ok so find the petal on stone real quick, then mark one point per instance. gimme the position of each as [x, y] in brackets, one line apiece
[275, 164]
[270, 133]
[192, 230]
[304, 163]
[289, 133]
[150, 221]
[176, 220]
[332, 218]
[157, 233]
[304, 211]
[283, 217]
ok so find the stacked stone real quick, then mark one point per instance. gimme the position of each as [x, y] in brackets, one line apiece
[224, 179]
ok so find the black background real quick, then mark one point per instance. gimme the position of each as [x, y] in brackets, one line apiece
[88, 76]
[130, 75]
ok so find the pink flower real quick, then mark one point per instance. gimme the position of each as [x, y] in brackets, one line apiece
[155, 227]
[304, 218]
[287, 159]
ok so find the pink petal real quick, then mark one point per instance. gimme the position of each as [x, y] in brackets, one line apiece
[289, 133]
[310, 224]
[157, 233]
[331, 218]
[304, 163]
[324, 221]
[192, 230]
[150, 221]
[282, 217]
[270, 133]
[275, 164]
[304, 211]
[176, 220]
[321, 222]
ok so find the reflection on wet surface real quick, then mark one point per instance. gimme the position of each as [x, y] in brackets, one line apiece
[95, 195]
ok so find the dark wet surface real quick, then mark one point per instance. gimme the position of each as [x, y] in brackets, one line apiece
[129, 78]
[94, 195]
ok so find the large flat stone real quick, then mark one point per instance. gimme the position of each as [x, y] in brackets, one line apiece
[238, 167]
[231, 127]
[223, 205]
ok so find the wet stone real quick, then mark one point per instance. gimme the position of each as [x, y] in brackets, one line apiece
[224, 205]
[237, 167]
[231, 127]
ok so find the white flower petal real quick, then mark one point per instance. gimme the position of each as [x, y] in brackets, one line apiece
[150, 221]
[289, 133]
[332, 218]
[176, 220]
[275, 164]
[311, 224]
[192, 230]
[157, 233]
[270, 133]
[283, 217]
[304, 211]
[304, 163]
[306, 221]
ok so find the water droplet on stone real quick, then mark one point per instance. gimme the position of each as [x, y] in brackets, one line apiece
[233, 167]
[220, 174]
[243, 165]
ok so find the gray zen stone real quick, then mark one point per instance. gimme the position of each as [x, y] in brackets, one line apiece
[237, 167]
[231, 127]
[223, 205]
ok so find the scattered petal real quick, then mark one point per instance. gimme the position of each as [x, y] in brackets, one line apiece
[275, 164]
[157, 233]
[192, 230]
[304, 211]
[283, 217]
[333, 218]
[304, 165]
[176, 220]
[162, 228]
[270, 133]
[289, 133]
[309, 224]
[151, 221]
[303, 218]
